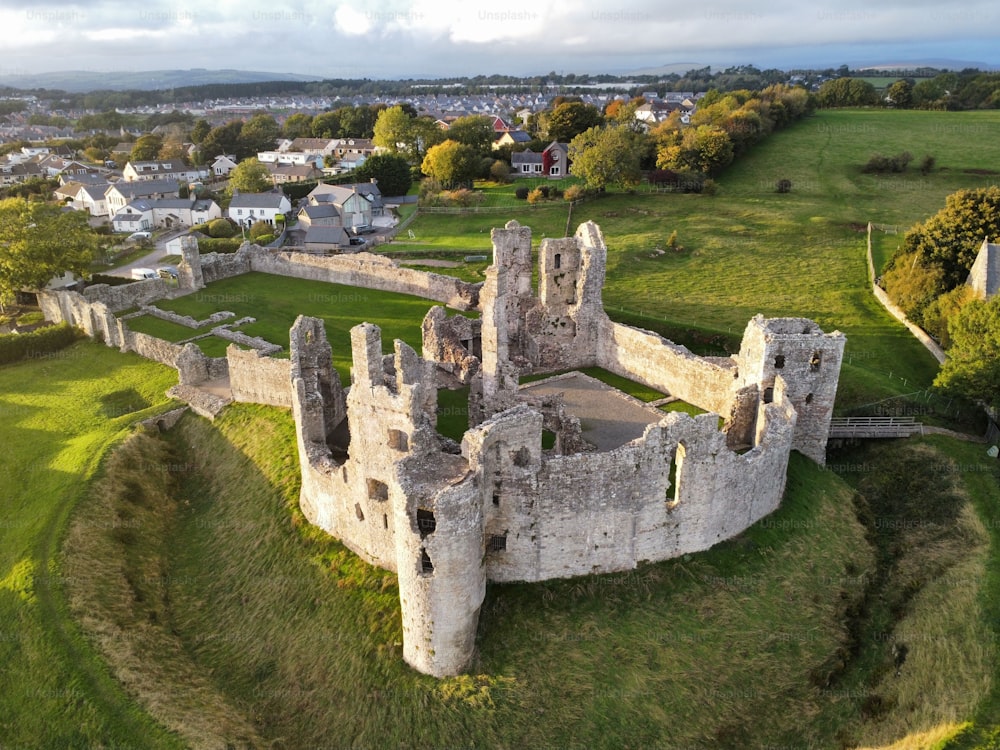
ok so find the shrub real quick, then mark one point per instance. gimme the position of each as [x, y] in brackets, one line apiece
[537, 195]
[101, 278]
[927, 164]
[880, 163]
[521, 193]
[784, 186]
[258, 230]
[500, 171]
[221, 228]
[575, 193]
[690, 182]
[220, 245]
[710, 187]
[37, 344]
[672, 240]
[264, 239]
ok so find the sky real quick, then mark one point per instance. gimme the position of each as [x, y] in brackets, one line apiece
[438, 38]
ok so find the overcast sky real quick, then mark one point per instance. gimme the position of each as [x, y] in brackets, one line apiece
[411, 38]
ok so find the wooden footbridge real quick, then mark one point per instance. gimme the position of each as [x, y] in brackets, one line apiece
[874, 427]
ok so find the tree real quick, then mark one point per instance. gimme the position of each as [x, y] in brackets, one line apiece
[900, 94]
[952, 237]
[475, 131]
[39, 241]
[259, 133]
[451, 163]
[706, 148]
[569, 119]
[605, 156]
[393, 130]
[199, 131]
[326, 125]
[250, 176]
[223, 139]
[973, 365]
[846, 92]
[147, 148]
[298, 125]
[392, 171]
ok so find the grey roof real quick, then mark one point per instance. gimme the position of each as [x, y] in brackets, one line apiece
[324, 193]
[257, 200]
[172, 203]
[525, 157]
[326, 236]
[94, 192]
[518, 136]
[146, 187]
[321, 211]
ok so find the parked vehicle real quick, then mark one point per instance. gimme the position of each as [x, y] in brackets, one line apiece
[139, 274]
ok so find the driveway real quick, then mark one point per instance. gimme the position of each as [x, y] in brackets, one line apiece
[150, 259]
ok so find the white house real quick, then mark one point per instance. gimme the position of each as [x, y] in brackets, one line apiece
[246, 208]
[135, 217]
[223, 165]
[121, 194]
[158, 170]
[355, 203]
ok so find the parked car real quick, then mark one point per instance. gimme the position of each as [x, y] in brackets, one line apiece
[140, 236]
[144, 273]
[168, 272]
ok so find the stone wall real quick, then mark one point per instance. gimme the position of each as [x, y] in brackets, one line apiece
[652, 360]
[365, 270]
[258, 379]
[218, 266]
[127, 296]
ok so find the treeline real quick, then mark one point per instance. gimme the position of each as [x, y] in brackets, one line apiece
[968, 89]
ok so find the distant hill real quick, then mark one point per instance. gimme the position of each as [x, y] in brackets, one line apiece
[670, 68]
[143, 80]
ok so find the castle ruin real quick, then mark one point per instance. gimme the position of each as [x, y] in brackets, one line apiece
[621, 484]
[554, 478]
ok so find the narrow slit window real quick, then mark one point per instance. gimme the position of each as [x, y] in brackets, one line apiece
[498, 543]
[426, 566]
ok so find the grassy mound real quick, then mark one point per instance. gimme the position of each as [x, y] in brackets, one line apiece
[717, 649]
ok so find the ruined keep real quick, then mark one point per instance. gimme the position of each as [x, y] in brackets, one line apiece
[644, 485]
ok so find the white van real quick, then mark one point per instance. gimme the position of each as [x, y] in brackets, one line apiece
[140, 236]
[144, 273]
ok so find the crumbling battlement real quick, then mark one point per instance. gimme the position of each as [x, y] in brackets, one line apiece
[505, 509]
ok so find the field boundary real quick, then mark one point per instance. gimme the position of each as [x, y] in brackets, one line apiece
[919, 333]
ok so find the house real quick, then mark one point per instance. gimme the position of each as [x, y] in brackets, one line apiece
[282, 173]
[319, 215]
[158, 170]
[553, 161]
[120, 194]
[512, 138]
[12, 173]
[166, 213]
[352, 152]
[984, 276]
[246, 208]
[294, 158]
[355, 203]
[321, 239]
[319, 146]
[135, 217]
[84, 197]
[223, 165]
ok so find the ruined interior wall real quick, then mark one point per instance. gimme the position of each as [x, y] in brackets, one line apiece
[650, 359]
[259, 379]
[368, 271]
[453, 343]
[218, 266]
[150, 347]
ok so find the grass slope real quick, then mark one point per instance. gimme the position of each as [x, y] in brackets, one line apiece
[696, 652]
[59, 415]
[750, 249]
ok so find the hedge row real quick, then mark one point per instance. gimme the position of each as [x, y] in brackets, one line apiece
[38, 344]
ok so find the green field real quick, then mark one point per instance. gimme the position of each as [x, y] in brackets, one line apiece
[59, 415]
